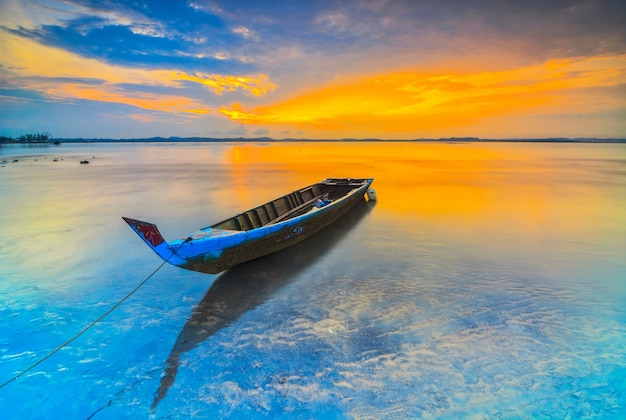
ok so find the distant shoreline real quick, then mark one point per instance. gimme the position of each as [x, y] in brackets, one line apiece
[292, 140]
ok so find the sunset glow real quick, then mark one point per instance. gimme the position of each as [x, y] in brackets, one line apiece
[319, 72]
[402, 102]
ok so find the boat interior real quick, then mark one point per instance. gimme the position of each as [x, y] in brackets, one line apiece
[291, 205]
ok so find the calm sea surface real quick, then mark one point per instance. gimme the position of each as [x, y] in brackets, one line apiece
[487, 281]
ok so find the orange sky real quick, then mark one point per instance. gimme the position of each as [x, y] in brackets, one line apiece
[317, 72]
[399, 103]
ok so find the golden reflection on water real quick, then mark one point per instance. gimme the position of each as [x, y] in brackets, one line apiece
[486, 192]
[533, 184]
[525, 196]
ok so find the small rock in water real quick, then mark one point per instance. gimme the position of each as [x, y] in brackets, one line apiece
[83, 162]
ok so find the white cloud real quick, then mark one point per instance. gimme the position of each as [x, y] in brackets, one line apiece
[15, 13]
[147, 29]
[246, 33]
[335, 21]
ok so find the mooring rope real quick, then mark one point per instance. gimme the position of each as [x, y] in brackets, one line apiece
[84, 330]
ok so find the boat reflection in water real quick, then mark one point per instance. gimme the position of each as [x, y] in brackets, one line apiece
[247, 286]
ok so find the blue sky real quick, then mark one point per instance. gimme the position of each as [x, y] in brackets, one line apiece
[319, 69]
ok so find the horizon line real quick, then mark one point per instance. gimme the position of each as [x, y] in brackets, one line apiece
[175, 139]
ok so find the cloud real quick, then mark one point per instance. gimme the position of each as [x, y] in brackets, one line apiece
[144, 118]
[334, 21]
[423, 102]
[261, 132]
[151, 30]
[154, 102]
[63, 75]
[240, 131]
[257, 85]
[150, 35]
[137, 45]
[246, 33]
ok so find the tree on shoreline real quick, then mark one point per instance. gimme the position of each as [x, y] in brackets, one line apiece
[28, 138]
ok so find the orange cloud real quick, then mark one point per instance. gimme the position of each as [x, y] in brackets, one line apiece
[145, 118]
[32, 66]
[153, 102]
[408, 102]
[257, 86]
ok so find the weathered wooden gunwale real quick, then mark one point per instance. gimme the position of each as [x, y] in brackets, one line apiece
[279, 209]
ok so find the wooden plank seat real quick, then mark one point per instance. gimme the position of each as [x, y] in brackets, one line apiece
[296, 209]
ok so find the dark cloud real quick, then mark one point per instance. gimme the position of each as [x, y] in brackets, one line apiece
[395, 34]
[553, 29]
[22, 94]
[554, 22]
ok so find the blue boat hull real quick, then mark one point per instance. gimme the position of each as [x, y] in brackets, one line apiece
[214, 249]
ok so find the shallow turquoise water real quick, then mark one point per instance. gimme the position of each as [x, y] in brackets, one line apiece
[488, 280]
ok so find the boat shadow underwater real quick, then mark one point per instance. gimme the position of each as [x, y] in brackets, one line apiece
[249, 285]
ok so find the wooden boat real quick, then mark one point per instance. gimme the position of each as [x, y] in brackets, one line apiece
[260, 231]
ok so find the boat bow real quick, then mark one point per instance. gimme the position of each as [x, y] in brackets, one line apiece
[151, 236]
